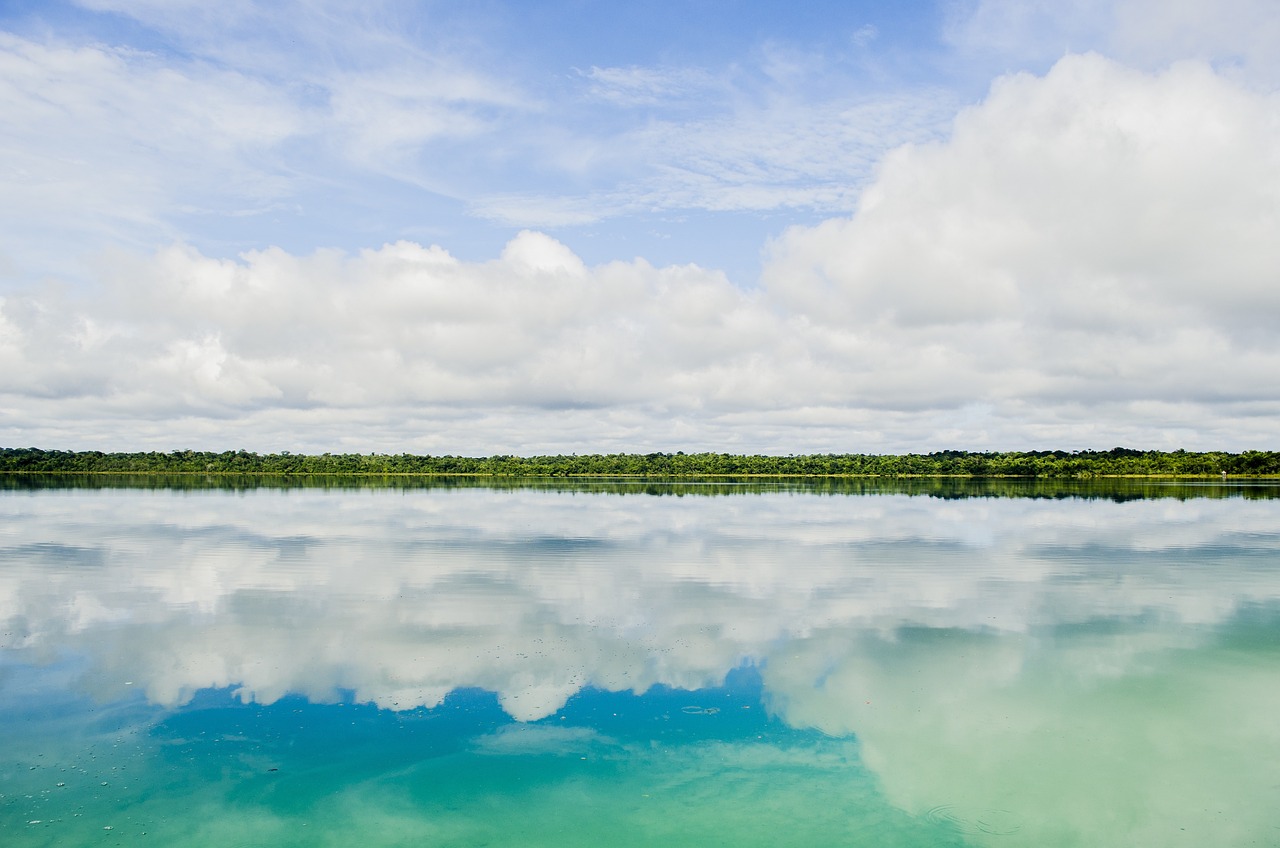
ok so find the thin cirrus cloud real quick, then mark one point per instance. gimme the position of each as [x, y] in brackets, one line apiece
[106, 143]
[113, 145]
[757, 157]
[644, 86]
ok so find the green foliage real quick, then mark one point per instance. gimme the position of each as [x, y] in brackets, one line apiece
[1117, 462]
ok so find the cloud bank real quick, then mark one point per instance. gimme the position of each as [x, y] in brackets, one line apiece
[1086, 261]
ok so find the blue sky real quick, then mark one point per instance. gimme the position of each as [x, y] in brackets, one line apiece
[599, 123]
[476, 227]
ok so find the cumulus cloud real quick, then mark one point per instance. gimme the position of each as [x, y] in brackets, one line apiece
[1086, 261]
[400, 327]
[1236, 35]
[1095, 234]
[1081, 195]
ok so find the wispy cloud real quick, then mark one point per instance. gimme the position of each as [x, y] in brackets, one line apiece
[641, 86]
[781, 154]
[106, 143]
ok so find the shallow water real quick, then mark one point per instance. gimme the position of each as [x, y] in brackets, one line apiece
[606, 664]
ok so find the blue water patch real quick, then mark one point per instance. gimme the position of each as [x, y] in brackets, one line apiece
[294, 734]
[734, 710]
[623, 767]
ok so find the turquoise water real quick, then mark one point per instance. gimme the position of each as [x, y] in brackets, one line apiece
[600, 665]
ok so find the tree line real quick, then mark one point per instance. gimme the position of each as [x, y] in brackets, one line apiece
[1117, 462]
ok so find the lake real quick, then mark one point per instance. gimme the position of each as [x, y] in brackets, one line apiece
[450, 663]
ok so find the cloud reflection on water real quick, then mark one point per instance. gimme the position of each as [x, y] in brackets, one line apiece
[1040, 655]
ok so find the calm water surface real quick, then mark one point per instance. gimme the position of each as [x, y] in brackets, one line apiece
[639, 665]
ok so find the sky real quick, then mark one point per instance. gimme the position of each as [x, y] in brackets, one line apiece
[573, 226]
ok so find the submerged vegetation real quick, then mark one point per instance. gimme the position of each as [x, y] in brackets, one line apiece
[1117, 462]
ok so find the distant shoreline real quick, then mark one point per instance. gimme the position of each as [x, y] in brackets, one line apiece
[1118, 463]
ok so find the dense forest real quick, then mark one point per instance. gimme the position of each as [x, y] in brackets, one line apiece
[1117, 462]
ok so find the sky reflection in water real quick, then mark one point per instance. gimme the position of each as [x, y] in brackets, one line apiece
[297, 666]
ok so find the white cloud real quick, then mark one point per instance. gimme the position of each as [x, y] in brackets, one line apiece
[1086, 261]
[378, 101]
[864, 35]
[110, 146]
[1236, 35]
[1092, 235]
[400, 325]
[744, 149]
[386, 118]
[1152, 190]
[644, 86]
[1239, 34]
[107, 143]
